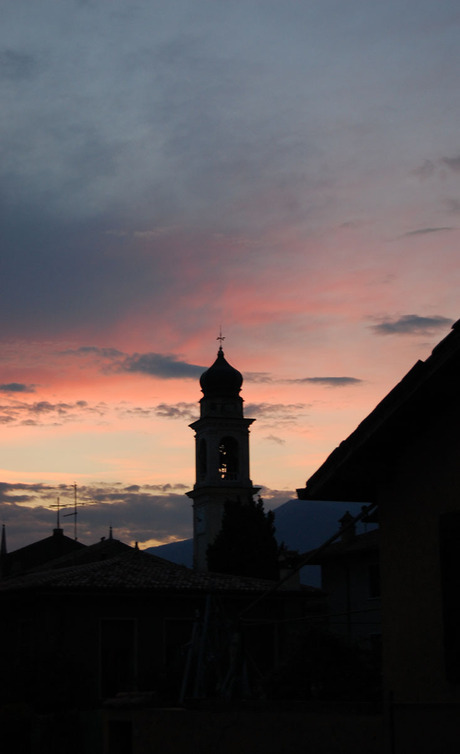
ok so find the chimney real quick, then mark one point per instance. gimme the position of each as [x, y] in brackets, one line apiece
[347, 528]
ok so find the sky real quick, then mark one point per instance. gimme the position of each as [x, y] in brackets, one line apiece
[286, 171]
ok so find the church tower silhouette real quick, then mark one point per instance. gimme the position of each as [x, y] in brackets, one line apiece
[222, 454]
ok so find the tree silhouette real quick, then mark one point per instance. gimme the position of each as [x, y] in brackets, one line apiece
[246, 544]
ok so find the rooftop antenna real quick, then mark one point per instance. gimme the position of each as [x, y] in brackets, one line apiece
[58, 507]
[74, 512]
[58, 512]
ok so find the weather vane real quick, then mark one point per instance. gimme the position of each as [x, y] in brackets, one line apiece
[220, 337]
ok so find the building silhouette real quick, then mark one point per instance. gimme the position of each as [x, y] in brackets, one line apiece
[350, 579]
[404, 458]
[222, 454]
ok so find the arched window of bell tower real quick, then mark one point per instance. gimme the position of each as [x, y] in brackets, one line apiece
[228, 458]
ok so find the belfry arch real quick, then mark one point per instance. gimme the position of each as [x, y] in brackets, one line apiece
[228, 458]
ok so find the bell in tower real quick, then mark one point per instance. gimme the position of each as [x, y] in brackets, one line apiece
[222, 454]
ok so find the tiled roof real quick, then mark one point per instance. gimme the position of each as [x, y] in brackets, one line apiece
[134, 571]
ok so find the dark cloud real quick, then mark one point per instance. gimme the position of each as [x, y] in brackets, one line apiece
[137, 411]
[165, 366]
[264, 377]
[425, 231]
[429, 168]
[45, 407]
[161, 365]
[453, 205]
[410, 324]
[20, 492]
[56, 281]
[16, 66]
[453, 163]
[261, 377]
[180, 410]
[425, 170]
[136, 512]
[281, 413]
[76, 170]
[275, 439]
[103, 353]
[45, 412]
[5, 419]
[150, 133]
[437, 169]
[17, 387]
[329, 381]
[165, 487]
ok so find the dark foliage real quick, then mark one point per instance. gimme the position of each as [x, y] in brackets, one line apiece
[246, 544]
[323, 667]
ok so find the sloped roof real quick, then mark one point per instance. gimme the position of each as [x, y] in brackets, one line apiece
[102, 550]
[134, 570]
[429, 390]
[360, 544]
[38, 553]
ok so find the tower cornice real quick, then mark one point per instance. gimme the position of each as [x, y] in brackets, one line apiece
[220, 421]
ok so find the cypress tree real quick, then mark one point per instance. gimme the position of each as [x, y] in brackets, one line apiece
[246, 544]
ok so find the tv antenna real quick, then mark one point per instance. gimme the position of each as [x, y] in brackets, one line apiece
[58, 506]
[58, 512]
[75, 511]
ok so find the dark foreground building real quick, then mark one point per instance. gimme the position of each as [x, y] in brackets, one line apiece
[350, 580]
[108, 630]
[404, 457]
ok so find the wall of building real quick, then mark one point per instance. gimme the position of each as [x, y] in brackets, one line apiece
[423, 485]
[354, 609]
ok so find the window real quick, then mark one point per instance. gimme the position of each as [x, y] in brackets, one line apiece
[117, 656]
[228, 458]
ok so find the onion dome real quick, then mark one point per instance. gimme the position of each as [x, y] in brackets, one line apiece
[221, 379]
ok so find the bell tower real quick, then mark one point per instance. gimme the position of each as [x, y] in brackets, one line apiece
[221, 451]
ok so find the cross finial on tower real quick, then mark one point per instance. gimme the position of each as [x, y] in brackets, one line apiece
[220, 337]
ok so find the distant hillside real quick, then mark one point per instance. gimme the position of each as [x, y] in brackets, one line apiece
[178, 552]
[305, 524]
[301, 524]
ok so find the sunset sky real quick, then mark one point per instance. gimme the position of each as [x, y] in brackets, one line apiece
[288, 170]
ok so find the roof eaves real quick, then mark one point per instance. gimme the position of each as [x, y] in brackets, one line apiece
[317, 486]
